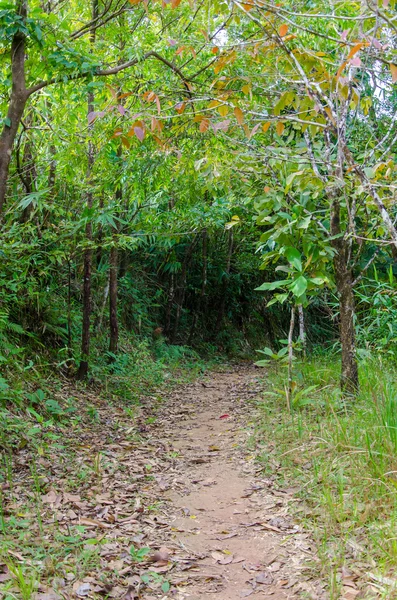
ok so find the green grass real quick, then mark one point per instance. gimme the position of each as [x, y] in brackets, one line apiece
[341, 454]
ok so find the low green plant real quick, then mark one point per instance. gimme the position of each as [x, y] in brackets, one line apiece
[139, 554]
[27, 583]
[343, 458]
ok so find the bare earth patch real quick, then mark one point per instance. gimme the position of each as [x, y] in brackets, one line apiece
[188, 489]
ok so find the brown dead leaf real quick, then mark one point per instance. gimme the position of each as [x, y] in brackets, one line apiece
[81, 589]
[264, 578]
[94, 523]
[70, 498]
[226, 560]
[50, 498]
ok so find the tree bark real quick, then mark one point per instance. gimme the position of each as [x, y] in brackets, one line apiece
[290, 357]
[302, 331]
[170, 302]
[17, 103]
[87, 292]
[344, 284]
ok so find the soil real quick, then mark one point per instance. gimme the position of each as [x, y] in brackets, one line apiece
[190, 489]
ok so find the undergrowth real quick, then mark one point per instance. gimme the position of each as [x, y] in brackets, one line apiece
[341, 455]
[33, 405]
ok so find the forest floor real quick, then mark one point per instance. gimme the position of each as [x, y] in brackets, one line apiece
[168, 504]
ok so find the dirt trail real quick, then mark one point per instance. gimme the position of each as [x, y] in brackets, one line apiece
[179, 479]
[235, 526]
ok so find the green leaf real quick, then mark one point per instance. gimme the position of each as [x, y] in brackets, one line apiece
[299, 286]
[318, 280]
[294, 257]
[290, 180]
[271, 285]
[166, 587]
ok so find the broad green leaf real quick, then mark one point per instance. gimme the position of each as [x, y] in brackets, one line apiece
[294, 257]
[299, 286]
[271, 285]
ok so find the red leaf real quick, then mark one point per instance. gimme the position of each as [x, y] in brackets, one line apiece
[224, 416]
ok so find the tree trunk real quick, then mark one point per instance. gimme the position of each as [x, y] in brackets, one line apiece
[113, 321]
[203, 287]
[17, 103]
[344, 284]
[29, 176]
[302, 332]
[225, 282]
[87, 299]
[290, 358]
[182, 289]
[170, 302]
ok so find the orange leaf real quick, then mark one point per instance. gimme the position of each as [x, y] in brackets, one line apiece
[204, 125]
[215, 50]
[393, 69]
[175, 3]
[283, 30]
[266, 189]
[133, 2]
[355, 49]
[238, 113]
[117, 132]
[125, 141]
[266, 126]
[180, 107]
[280, 128]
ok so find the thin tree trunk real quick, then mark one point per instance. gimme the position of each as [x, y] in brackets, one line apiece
[225, 282]
[114, 326]
[87, 293]
[344, 284]
[182, 289]
[290, 357]
[203, 287]
[170, 302]
[69, 317]
[17, 103]
[29, 176]
[113, 276]
[302, 331]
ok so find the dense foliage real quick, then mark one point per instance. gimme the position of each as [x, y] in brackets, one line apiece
[154, 155]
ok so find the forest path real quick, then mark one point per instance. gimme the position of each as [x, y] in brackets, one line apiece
[177, 478]
[232, 533]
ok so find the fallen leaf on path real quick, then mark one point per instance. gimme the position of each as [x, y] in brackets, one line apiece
[81, 589]
[94, 523]
[50, 498]
[264, 578]
[246, 593]
[349, 593]
[218, 556]
[224, 416]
